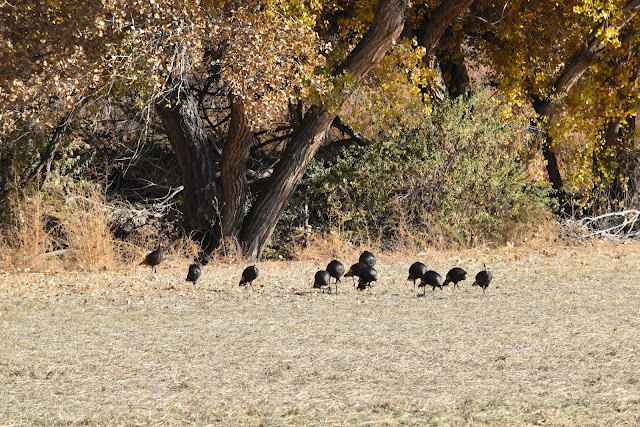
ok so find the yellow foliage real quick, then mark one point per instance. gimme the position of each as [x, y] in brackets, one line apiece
[392, 92]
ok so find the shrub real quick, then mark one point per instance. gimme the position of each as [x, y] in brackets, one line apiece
[452, 178]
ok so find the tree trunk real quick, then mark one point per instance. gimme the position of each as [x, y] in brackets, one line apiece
[262, 219]
[553, 170]
[460, 83]
[188, 137]
[232, 168]
[435, 25]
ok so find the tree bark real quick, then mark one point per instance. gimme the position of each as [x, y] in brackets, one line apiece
[262, 219]
[232, 168]
[188, 137]
[435, 25]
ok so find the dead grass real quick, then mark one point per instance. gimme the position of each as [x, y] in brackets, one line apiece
[28, 238]
[86, 229]
[556, 342]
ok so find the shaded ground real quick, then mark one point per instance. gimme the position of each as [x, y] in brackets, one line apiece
[556, 342]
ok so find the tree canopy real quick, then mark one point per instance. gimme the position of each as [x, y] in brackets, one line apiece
[246, 92]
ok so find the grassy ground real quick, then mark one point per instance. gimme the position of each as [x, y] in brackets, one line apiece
[555, 342]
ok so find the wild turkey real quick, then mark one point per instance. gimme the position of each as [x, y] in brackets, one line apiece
[249, 275]
[368, 274]
[322, 280]
[483, 279]
[367, 258]
[155, 257]
[455, 275]
[354, 271]
[432, 279]
[194, 274]
[336, 270]
[416, 271]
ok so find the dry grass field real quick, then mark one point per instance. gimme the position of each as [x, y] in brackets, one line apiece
[555, 342]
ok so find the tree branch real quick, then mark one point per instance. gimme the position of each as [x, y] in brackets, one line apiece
[308, 137]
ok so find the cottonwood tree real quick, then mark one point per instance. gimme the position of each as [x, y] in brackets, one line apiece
[265, 59]
[186, 132]
[540, 50]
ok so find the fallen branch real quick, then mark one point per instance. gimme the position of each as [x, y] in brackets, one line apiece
[56, 253]
[612, 225]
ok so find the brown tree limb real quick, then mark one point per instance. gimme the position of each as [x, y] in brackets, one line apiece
[432, 29]
[435, 25]
[232, 168]
[261, 220]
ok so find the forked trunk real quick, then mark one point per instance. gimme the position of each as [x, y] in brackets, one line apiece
[197, 163]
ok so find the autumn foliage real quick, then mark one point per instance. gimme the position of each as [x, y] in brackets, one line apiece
[250, 91]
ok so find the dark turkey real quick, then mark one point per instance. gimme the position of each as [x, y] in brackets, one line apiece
[336, 270]
[483, 279]
[368, 275]
[155, 257]
[433, 279]
[194, 274]
[354, 271]
[367, 258]
[322, 280]
[249, 275]
[455, 275]
[416, 271]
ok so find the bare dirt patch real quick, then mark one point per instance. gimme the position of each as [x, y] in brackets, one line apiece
[556, 341]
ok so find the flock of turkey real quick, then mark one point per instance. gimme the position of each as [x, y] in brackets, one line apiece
[364, 270]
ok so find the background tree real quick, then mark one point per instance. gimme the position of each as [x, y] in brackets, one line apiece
[571, 37]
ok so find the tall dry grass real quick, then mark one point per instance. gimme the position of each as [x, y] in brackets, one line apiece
[27, 237]
[229, 252]
[64, 226]
[85, 227]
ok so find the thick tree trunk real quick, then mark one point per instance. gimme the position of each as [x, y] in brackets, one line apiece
[232, 168]
[188, 137]
[261, 220]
